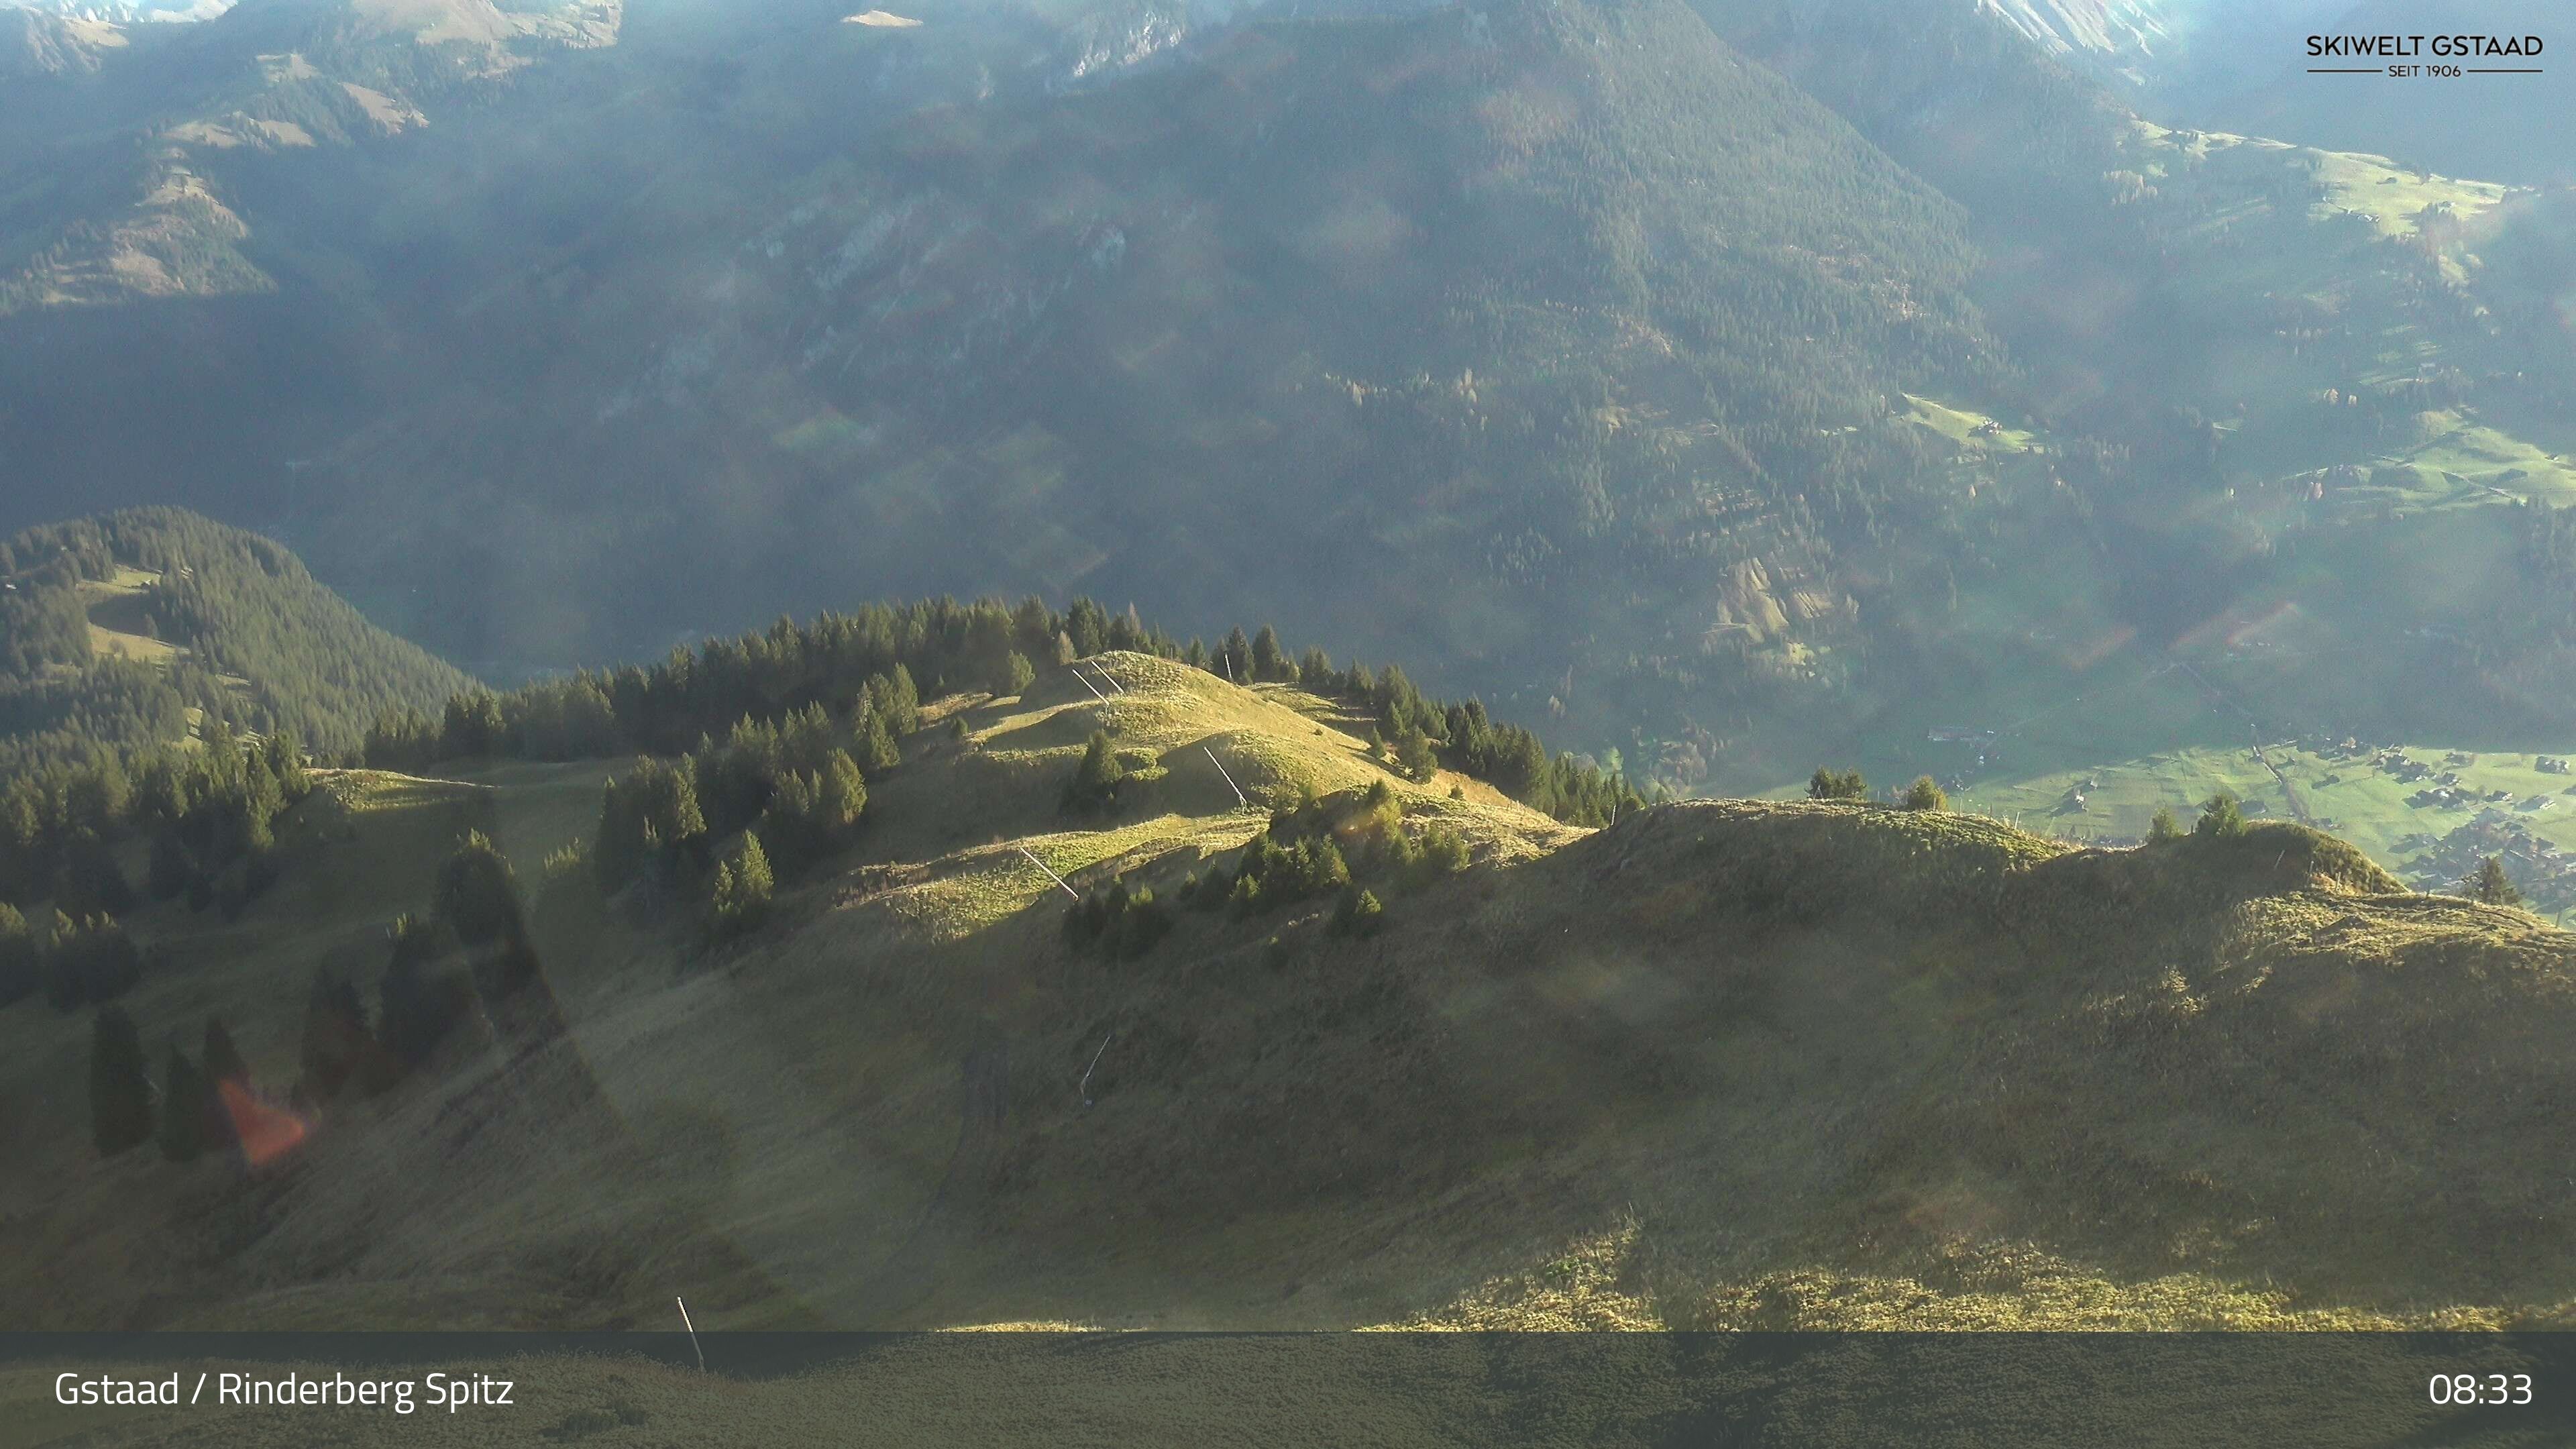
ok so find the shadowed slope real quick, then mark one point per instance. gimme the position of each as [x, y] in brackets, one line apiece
[1724, 1063]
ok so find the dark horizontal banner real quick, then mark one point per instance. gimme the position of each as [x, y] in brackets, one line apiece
[2395, 1391]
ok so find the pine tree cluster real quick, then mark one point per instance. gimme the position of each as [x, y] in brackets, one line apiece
[1117, 922]
[466, 971]
[863, 666]
[188, 1113]
[1335, 845]
[208, 812]
[1831, 784]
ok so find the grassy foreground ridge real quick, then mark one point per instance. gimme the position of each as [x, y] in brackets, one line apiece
[1724, 1064]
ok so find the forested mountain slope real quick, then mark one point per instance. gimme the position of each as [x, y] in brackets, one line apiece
[2292, 410]
[135, 628]
[1397, 331]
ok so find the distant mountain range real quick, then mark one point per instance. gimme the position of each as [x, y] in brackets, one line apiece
[1619, 358]
[1019, 326]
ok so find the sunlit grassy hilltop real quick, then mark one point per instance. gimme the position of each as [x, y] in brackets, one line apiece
[1723, 1064]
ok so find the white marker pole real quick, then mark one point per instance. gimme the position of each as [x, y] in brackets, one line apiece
[1085, 1088]
[1229, 779]
[1051, 875]
[1105, 674]
[1087, 684]
[693, 1334]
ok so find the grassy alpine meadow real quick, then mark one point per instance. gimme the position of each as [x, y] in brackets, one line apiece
[1667, 1047]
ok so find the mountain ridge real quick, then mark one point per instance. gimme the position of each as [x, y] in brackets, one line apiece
[1721, 1057]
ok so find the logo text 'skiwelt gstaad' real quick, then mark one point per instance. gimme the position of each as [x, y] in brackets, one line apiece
[2427, 55]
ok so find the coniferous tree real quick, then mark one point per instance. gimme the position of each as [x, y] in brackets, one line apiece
[902, 701]
[1444, 852]
[841, 793]
[402, 739]
[2164, 826]
[21, 962]
[24, 871]
[2491, 886]
[477, 897]
[1269, 661]
[877, 753]
[653, 808]
[1237, 657]
[1095, 782]
[89, 882]
[1123, 924]
[473, 727]
[1244, 899]
[1017, 674]
[812, 815]
[336, 1045]
[170, 870]
[1359, 914]
[1415, 756]
[1144, 924]
[120, 1087]
[425, 995]
[1086, 628]
[791, 825]
[1925, 794]
[2221, 817]
[1321, 868]
[743, 888]
[284, 756]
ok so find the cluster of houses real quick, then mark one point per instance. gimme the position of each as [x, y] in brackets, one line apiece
[2449, 792]
[2545, 873]
[2386, 759]
[2443, 787]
